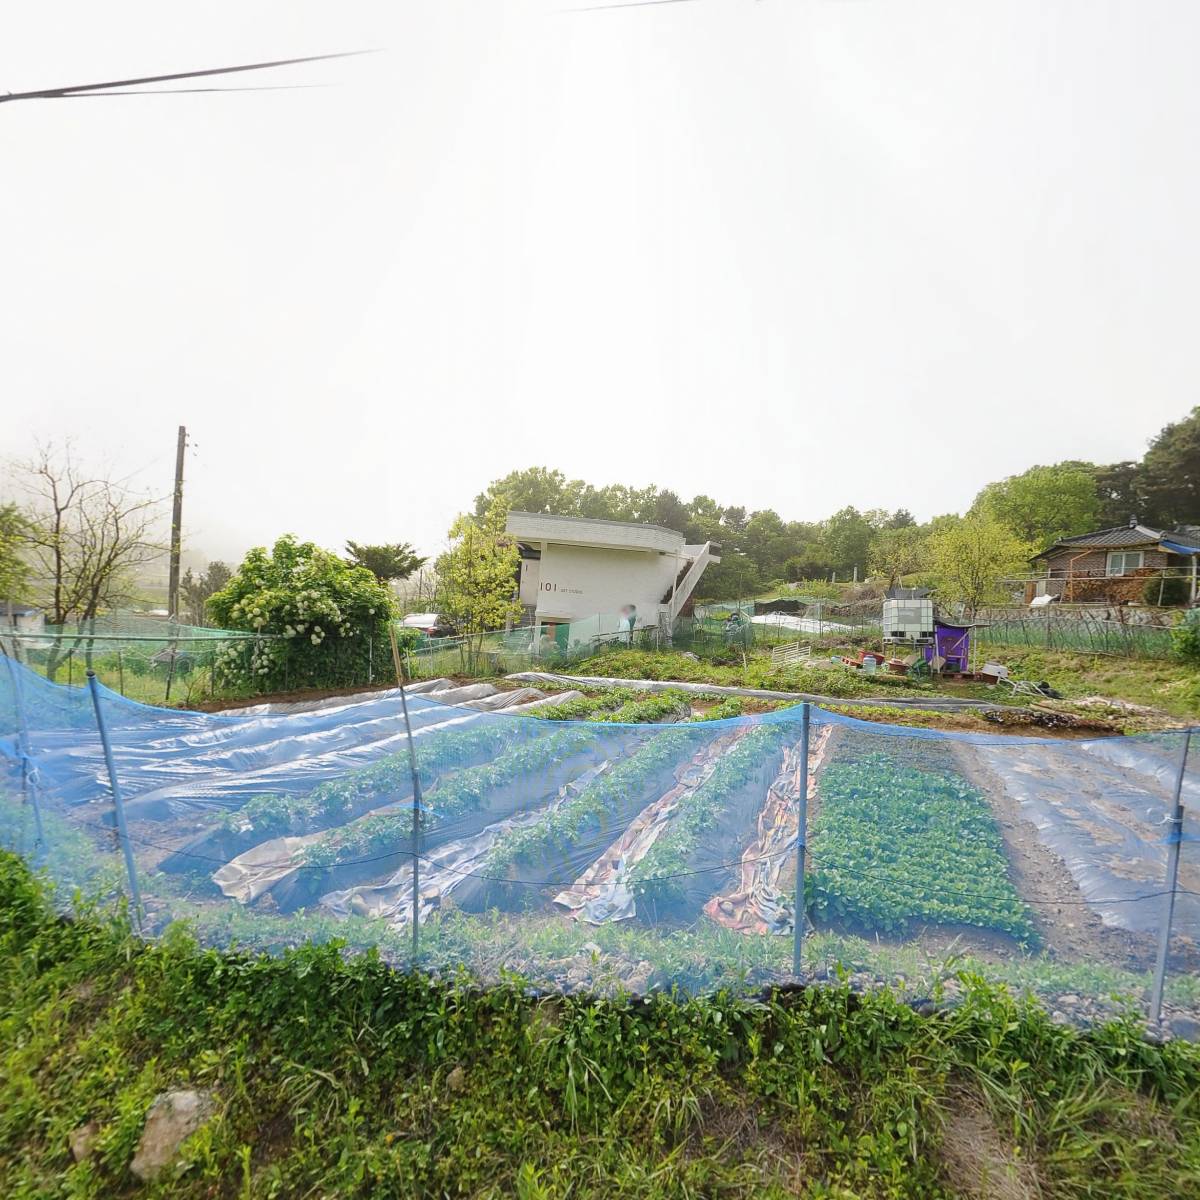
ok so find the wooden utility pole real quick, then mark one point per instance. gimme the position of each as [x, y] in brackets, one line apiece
[176, 525]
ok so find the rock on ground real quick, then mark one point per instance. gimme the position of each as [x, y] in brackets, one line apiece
[83, 1141]
[172, 1119]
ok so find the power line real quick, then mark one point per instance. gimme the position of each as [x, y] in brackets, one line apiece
[58, 93]
[624, 4]
[279, 87]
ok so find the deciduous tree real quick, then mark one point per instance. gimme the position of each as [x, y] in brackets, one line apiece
[14, 567]
[87, 534]
[899, 550]
[477, 576]
[971, 557]
[1044, 504]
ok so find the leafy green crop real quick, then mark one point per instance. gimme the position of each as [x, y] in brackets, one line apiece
[894, 844]
[438, 754]
[601, 797]
[452, 796]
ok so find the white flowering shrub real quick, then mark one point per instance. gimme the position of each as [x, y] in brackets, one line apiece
[324, 622]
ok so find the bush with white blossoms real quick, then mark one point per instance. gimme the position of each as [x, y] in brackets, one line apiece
[324, 622]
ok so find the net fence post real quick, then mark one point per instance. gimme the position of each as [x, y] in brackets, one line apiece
[29, 791]
[1174, 840]
[118, 802]
[416, 798]
[800, 909]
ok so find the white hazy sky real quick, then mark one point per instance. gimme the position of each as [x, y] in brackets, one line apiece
[791, 253]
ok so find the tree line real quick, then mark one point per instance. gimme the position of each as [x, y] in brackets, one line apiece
[1009, 520]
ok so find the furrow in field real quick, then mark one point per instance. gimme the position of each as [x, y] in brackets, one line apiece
[602, 892]
[758, 905]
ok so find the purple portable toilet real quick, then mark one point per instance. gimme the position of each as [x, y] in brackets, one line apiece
[951, 643]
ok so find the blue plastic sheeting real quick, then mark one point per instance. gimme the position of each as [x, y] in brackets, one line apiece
[602, 855]
[1104, 808]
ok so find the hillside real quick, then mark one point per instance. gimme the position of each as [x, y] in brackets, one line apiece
[339, 1078]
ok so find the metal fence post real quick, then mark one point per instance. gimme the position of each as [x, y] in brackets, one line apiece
[800, 909]
[118, 802]
[1174, 839]
[416, 799]
[29, 793]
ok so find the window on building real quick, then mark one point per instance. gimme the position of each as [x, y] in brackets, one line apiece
[1124, 562]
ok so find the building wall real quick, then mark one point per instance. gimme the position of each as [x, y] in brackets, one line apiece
[573, 582]
[1095, 562]
[529, 581]
[1083, 576]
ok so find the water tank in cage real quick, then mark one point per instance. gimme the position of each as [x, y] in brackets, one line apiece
[908, 620]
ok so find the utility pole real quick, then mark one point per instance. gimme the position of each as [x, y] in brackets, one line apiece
[176, 525]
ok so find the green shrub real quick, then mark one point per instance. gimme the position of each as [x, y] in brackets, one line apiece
[327, 620]
[1167, 590]
[1185, 638]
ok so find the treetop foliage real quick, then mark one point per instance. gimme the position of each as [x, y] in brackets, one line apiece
[758, 547]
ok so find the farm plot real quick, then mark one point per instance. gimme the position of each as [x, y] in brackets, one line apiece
[337, 801]
[657, 838]
[902, 840]
[297, 871]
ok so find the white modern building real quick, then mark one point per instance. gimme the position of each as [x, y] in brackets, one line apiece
[574, 569]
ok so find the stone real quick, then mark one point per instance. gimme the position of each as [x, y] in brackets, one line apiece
[637, 980]
[1186, 1028]
[83, 1141]
[590, 948]
[172, 1119]
[457, 1079]
[1070, 1000]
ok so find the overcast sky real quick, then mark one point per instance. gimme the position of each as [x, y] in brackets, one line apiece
[791, 253]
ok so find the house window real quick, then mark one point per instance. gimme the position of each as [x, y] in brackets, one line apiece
[1124, 562]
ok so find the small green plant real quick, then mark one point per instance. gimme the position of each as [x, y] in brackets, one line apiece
[1185, 638]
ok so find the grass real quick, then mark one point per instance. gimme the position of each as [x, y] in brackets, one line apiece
[1170, 686]
[346, 1079]
[1173, 688]
[757, 671]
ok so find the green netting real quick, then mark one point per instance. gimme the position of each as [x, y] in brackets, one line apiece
[136, 627]
[142, 657]
[526, 648]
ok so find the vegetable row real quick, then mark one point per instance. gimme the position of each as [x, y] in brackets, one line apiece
[896, 844]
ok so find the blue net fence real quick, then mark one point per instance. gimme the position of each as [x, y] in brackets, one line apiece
[612, 857]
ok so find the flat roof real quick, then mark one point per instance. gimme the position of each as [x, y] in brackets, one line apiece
[594, 531]
[595, 521]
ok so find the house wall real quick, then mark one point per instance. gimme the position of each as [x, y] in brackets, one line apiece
[1082, 576]
[1095, 562]
[573, 582]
